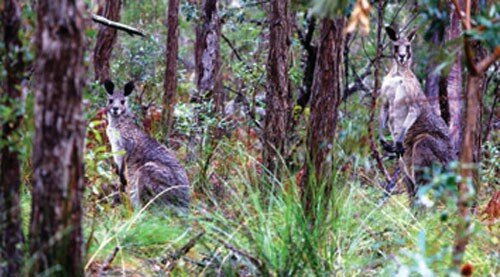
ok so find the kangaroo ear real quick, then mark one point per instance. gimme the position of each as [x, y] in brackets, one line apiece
[129, 87]
[393, 35]
[411, 35]
[110, 87]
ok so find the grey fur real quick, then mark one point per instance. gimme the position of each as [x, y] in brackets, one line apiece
[148, 166]
[421, 133]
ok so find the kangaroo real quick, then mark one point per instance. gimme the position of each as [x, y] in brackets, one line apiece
[147, 166]
[420, 136]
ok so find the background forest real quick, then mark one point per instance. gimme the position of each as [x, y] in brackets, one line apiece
[271, 106]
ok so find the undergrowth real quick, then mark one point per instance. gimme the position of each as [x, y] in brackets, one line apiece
[246, 232]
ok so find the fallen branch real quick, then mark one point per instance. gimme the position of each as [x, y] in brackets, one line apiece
[116, 25]
[258, 263]
[172, 260]
[109, 260]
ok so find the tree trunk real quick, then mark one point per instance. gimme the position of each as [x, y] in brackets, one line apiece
[432, 80]
[454, 87]
[309, 63]
[470, 162]
[208, 55]
[55, 230]
[170, 80]
[327, 91]
[278, 95]
[106, 39]
[207, 60]
[11, 235]
[470, 152]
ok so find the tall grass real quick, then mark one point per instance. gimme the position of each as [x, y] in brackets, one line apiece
[250, 232]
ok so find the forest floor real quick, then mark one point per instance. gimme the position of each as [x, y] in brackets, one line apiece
[236, 229]
[360, 237]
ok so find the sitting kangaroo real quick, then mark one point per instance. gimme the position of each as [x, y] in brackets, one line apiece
[421, 136]
[148, 167]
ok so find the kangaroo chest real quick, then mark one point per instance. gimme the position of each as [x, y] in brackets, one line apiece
[116, 141]
[396, 95]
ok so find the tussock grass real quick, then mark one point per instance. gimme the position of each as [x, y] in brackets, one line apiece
[251, 232]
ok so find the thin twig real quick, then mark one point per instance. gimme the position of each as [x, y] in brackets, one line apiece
[492, 112]
[458, 10]
[249, 111]
[109, 260]
[483, 65]
[258, 263]
[91, 235]
[375, 152]
[232, 47]
[172, 260]
[112, 24]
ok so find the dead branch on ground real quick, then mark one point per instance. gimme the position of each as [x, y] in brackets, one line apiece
[109, 260]
[258, 263]
[171, 261]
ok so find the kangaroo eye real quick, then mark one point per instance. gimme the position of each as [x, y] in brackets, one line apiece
[396, 48]
[110, 101]
[123, 102]
[408, 48]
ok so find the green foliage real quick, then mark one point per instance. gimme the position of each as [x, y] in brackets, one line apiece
[249, 232]
[489, 27]
[437, 15]
[355, 235]
[329, 8]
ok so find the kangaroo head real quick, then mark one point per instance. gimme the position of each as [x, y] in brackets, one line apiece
[117, 100]
[402, 46]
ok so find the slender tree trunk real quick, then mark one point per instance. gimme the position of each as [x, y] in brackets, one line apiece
[469, 160]
[309, 62]
[327, 91]
[278, 95]
[55, 230]
[170, 80]
[208, 55]
[432, 80]
[106, 39]
[470, 153]
[454, 87]
[207, 60]
[11, 235]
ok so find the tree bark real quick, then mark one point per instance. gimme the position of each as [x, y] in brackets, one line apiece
[454, 87]
[432, 80]
[309, 62]
[470, 162]
[11, 235]
[55, 230]
[207, 55]
[106, 39]
[170, 80]
[470, 154]
[327, 92]
[207, 60]
[278, 95]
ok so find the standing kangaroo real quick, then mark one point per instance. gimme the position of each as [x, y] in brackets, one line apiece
[421, 136]
[148, 167]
